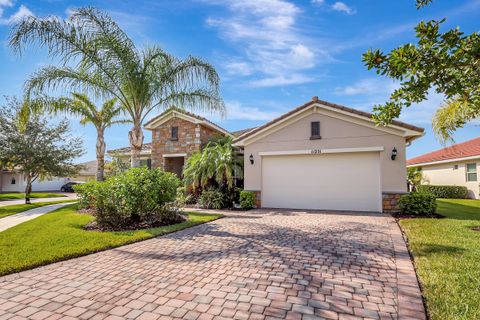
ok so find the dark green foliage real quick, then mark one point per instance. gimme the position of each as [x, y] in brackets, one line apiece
[447, 192]
[418, 203]
[212, 199]
[135, 199]
[247, 199]
[444, 61]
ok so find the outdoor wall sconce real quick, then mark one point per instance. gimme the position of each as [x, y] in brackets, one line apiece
[251, 158]
[394, 153]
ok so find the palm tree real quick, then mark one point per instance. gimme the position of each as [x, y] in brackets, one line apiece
[217, 162]
[98, 57]
[80, 105]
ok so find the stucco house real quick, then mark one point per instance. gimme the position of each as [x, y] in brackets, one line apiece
[14, 181]
[318, 156]
[456, 165]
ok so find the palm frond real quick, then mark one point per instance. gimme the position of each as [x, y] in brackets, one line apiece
[453, 114]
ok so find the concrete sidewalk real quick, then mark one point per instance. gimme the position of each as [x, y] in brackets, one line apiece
[72, 196]
[16, 219]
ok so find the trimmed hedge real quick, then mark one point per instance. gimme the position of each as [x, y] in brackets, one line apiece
[247, 199]
[448, 192]
[418, 203]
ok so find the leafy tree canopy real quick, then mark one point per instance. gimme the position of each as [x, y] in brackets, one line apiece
[447, 61]
[36, 149]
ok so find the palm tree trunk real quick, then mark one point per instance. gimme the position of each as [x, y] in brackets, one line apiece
[100, 154]
[135, 137]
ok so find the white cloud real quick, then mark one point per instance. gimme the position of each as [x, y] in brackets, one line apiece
[266, 34]
[281, 80]
[238, 68]
[341, 6]
[238, 111]
[21, 13]
[368, 86]
[317, 2]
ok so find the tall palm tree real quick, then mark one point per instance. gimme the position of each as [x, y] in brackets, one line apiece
[80, 105]
[98, 57]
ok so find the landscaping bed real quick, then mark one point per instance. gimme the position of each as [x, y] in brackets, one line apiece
[446, 253]
[19, 195]
[60, 235]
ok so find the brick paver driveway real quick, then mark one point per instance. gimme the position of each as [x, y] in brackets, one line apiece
[256, 265]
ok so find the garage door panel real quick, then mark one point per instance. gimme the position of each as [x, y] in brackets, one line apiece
[330, 182]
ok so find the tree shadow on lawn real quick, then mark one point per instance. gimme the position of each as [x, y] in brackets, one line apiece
[458, 211]
[427, 250]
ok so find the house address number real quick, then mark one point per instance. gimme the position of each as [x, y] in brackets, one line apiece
[315, 151]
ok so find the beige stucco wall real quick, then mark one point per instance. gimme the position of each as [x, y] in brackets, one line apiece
[336, 133]
[445, 174]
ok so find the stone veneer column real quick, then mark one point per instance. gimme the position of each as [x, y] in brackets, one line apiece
[390, 202]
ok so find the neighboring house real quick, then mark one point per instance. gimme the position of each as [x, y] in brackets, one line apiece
[326, 156]
[176, 135]
[13, 181]
[88, 171]
[456, 165]
[317, 156]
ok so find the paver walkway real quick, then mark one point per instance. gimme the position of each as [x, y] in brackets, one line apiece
[260, 265]
[15, 219]
[72, 196]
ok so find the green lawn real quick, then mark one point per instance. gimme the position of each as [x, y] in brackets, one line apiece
[59, 235]
[16, 208]
[447, 259]
[19, 195]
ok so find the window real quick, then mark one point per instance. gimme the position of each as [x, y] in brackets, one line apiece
[315, 130]
[455, 167]
[13, 180]
[174, 133]
[471, 172]
[146, 163]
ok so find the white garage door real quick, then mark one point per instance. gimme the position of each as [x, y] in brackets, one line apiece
[343, 181]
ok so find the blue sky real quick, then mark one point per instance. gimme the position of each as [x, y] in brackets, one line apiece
[272, 55]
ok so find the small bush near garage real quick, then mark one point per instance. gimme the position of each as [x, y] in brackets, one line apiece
[212, 199]
[447, 192]
[247, 199]
[418, 204]
[137, 198]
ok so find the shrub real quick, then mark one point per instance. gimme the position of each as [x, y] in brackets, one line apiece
[212, 199]
[418, 203]
[86, 193]
[247, 199]
[449, 192]
[137, 198]
[181, 199]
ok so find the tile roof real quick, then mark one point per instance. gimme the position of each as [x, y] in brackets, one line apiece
[185, 112]
[329, 104]
[145, 147]
[468, 148]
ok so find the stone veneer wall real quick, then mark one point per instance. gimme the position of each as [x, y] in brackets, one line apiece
[390, 202]
[191, 137]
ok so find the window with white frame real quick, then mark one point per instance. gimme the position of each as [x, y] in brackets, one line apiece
[471, 170]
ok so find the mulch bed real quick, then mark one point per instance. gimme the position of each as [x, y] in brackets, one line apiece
[400, 216]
